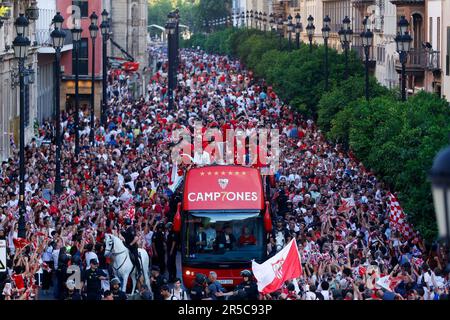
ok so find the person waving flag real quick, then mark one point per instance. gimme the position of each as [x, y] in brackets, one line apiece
[285, 265]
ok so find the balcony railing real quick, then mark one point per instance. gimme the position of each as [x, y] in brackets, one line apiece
[433, 61]
[417, 57]
[43, 37]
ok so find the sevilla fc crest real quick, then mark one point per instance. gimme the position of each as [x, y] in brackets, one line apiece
[223, 183]
[278, 268]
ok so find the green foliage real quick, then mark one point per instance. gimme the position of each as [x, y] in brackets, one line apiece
[395, 140]
[335, 100]
[398, 142]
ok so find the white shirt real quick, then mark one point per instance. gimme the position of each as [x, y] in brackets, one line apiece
[310, 296]
[55, 255]
[89, 256]
[326, 294]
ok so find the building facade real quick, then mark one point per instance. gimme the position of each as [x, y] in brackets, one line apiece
[129, 28]
[9, 89]
[83, 9]
[445, 49]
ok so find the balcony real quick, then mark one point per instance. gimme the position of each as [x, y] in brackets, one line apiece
[400, 2]
[360, 3]
[416, 64]
[433, 62]
[44, 40]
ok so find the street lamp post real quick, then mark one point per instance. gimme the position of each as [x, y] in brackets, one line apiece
[271, 22]
[367, 37]
[251, 19]
[242, 19]
[265, 22]
[21, 45]
[345, 35]
[326, 35]
[298, 29]
[440, 186]
[76, 34]
[104, 28]
[170, 27]
[261, 21]
[310, 29]
[403, 41]
[93, 30]
[290, 28]
[177, 39]
[280, 28]
[247, 15]
[58, 36]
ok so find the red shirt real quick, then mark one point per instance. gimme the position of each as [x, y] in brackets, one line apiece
[18, 280]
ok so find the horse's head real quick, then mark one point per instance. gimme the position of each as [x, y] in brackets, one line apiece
[109, 245]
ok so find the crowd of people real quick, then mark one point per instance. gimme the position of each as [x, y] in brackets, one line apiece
[343, 250]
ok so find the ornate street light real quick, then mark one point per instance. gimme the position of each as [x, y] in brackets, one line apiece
[58, 21]
[21, 46]
[105, 30]
[290, 29]
[345, 35]
[367, 38]
[280, 27]
[93, 31]
[58, 37]
[310, 29]
[326, 35]
[403, 41]
[76, 36]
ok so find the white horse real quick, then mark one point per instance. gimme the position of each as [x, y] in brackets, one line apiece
[122, 264]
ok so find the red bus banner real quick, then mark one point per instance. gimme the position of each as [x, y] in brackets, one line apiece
[223, 188]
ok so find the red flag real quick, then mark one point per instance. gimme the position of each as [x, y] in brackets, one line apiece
[285, 265]
[20, 243]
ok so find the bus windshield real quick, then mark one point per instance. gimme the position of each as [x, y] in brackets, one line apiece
[223, 237]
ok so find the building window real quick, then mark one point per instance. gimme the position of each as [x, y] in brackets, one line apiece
[83, 5]
[83, 58]
[135, 15]
[295, 4]
[135, 42]
[336, 10]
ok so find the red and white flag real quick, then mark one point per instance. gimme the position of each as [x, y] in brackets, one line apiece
[131, 212]
[388, 282]
[285, 265]
[347, 204]
[397, 217]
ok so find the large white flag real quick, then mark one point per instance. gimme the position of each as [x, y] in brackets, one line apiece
[285, 265]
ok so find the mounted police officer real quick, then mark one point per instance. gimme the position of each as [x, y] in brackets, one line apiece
[131, 240]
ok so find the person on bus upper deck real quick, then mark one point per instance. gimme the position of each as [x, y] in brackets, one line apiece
[200, 239]
[247, 238]
[226, 240]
